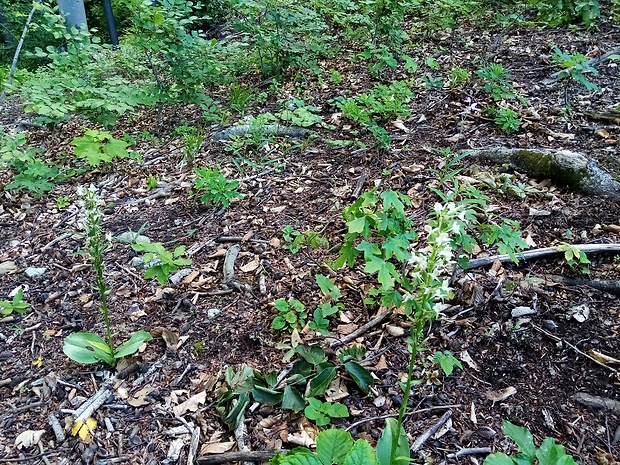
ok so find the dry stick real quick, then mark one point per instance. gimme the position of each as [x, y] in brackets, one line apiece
[429, 432]
[253, 456]
[580, 352]
[16, 56]
[362, 329]
[470, 451]
[56, 427]
[229, 263]
[193, 446]
[544, 252]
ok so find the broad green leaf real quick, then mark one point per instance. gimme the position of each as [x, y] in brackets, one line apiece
[336, 410]
[332, 445]
[361, 454]
[499, 458]
[312, 354]
[392, 199]
[522, 437]
[551, 453]
[234, 416]
[158, 19]
[369, 249]
[87, 348]
[132, 345]
[360, 375]
[265, 395]
[299, 456]
[292, 399]
[359, 225]
[346, 255]
[320, 383]
[391, 433]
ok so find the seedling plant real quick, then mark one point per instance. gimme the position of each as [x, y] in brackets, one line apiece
[215, 188]
[16, 305]
[159, 261]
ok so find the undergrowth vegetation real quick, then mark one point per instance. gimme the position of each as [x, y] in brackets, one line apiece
[226, 58]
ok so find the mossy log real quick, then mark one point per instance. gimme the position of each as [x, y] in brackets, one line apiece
[571, 169]
[267, 129]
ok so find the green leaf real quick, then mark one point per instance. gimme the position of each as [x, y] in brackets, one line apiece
[320, 383]
[299, 456]
[384, 269]
[359, 225]
[278, 323]
[360, 375]
[265, 395]
[391, 433]
[392, 199]
[327, 287]
[361, 454]
[522, 438]
[132, 345]
[292, 399]
[336, 410]
[234, 416]
[346, 255]
[332, 445]
[499, 458]
[158, 19]
[87, 348]
[312, 354]
[369, 249]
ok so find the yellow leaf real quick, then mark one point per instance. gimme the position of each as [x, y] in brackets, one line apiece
[38, 362]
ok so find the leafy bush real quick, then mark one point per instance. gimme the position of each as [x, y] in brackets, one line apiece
[282, 33]
[556, 12]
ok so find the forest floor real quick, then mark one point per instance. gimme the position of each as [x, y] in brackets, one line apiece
[526, 369]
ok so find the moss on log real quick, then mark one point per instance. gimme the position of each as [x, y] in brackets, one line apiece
[571, 169]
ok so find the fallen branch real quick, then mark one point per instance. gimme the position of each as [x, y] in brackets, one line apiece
[429, 432]
[611, 286]
[361, 330]
[538, 253]
[268, 130]
[228, 457]
[572, 169]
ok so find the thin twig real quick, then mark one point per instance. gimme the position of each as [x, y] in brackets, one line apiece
[429, 432]
[362, 329]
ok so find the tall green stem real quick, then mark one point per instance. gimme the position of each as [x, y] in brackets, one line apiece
[103, 292]
[415, 331]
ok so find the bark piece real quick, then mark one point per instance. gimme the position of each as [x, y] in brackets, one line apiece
[571, 169]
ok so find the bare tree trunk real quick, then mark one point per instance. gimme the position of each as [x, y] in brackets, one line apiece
[16, 57]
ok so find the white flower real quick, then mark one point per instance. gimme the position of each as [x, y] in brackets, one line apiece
[456, 228]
